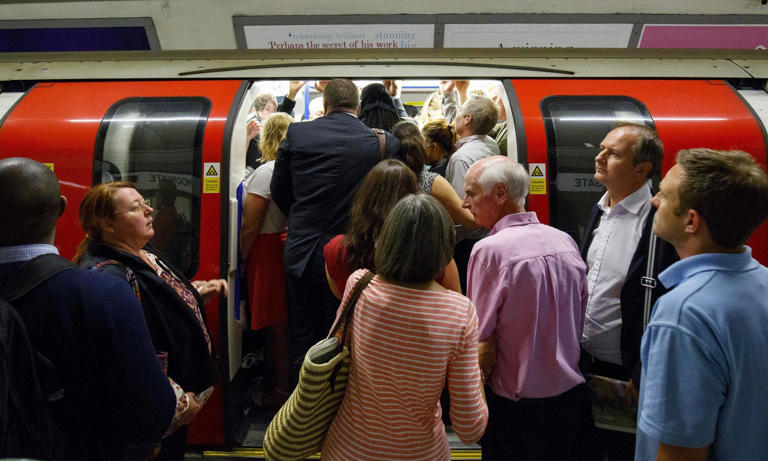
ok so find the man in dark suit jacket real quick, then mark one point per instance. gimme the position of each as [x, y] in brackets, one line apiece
[615, 248]
[318, 168]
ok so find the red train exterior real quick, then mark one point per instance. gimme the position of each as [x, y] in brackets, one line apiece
[59, 123]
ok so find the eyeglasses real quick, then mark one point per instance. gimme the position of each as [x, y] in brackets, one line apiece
[143, 205]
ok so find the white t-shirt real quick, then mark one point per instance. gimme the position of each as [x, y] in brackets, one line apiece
[258, 184]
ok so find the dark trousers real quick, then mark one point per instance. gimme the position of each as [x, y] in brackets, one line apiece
[311, 310]
[533, 429]
[174, 446]
[461, 253]
[595, 444]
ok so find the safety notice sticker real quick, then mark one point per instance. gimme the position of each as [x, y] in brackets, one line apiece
[211, 178]
[538, 174]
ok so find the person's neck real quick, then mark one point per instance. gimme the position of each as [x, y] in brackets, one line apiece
[123, 246]
[617, 195]
[693, 247]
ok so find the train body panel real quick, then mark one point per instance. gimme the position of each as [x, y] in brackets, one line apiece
[186, 140]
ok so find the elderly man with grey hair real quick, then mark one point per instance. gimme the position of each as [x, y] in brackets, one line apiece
[475, 119]
[529, 284]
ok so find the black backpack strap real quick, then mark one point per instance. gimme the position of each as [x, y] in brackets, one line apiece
[31, 274]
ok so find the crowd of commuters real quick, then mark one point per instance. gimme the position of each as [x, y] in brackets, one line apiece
[471, 295]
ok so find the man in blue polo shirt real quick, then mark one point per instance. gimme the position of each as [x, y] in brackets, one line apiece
[704, 353]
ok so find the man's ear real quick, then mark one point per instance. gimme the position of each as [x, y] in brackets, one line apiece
[693, 221]
[325, 107]
[62, 204]
[643, 168]
[500, 192]
[357, 112]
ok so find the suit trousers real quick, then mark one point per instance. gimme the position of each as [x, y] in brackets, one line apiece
[542, 429]
[311, 310]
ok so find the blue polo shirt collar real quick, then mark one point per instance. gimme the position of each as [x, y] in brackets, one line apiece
[692, 265]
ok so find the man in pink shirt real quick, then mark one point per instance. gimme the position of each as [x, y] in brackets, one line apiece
[529, 284]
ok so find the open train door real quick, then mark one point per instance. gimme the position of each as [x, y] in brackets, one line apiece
[176, 141]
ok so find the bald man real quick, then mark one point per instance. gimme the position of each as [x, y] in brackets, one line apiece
[116, 398]
[529, 285]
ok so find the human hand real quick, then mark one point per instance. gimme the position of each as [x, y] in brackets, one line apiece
[320, 85]
[192, 410]
[210, 288]
[486, 351]
[462, 87]
[293, 88]
[252, 130]
[446, 85]
[630, 394]
[393, 87]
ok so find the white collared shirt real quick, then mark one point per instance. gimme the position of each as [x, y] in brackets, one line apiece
[613, 244]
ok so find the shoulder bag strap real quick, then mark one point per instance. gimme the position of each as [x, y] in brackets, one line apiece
[31, 274]
[649, 281]
[382, 135]
[349, 307]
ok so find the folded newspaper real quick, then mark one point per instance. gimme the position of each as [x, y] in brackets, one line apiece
[610, 406]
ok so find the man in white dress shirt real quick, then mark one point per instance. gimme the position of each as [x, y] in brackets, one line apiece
[615, 247]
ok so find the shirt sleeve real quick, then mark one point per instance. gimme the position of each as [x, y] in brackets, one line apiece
[485, 291]
[259, 184]
[455, 173]
[468, 410]
[683, 388]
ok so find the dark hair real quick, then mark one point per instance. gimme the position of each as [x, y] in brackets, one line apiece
[647, 148]
[32, 201]
[728, 189]
[416, 241]
[97, 207]
[443, 134]
[411, 150]
[377, 110]
[341, 93]
[389, 181]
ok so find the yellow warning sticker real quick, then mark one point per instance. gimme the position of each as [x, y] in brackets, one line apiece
[49, 165]
[538, 178]
[211, 178]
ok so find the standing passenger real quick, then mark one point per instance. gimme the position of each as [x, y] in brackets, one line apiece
[318, 167]
[262, 241]
[410, 337]
[89, 325]
[704, 353]
[529, 285]
[615, 247]
[473, 122]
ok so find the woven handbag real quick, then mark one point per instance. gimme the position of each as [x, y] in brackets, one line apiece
[299, 428]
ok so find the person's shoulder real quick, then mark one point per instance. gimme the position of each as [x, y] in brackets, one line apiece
[93, 281]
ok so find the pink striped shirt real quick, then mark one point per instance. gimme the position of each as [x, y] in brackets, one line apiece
[406, 343]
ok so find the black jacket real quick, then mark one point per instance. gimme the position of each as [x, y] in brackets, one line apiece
[172, 324]
[632, 295]
[317, 170]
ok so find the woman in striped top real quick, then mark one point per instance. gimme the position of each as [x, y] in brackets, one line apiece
[410, 336]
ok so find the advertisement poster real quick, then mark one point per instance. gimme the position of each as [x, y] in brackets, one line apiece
[537, 35]
[736, 37]
[340, 36]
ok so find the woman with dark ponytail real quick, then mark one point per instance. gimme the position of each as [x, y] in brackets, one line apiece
[439, 143]
[413, 154]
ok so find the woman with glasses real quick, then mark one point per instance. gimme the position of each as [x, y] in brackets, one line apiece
[118, 225]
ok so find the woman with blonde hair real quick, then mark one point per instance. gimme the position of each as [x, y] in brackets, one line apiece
[262, 239]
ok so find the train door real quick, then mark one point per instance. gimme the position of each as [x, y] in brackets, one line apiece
[175, 141]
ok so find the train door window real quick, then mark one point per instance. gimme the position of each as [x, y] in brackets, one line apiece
[156, 143]
[575, 127]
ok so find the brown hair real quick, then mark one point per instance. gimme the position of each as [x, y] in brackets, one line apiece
[727, 188]
[97, 207]
[647, 148]
[341, 93]
[389, 181]
[443, 134]
[411, 151]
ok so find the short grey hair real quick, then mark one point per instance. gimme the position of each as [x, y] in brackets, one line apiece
[261, 101]
[484, 114]
[416, 241]
[508, 172]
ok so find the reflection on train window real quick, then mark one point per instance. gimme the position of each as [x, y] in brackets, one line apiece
[156, 143]
[575, 126]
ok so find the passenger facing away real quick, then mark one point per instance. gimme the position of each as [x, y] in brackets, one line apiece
[529, 285]
[118, 225]
[413, 154]
[702, 395]
[388, 182]
[265, 105]
[318, 167]
[615, 247]
[377, 108]
[473, 122]
[262, 241]
[116, 397]
[439, 143]
[410, 338]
